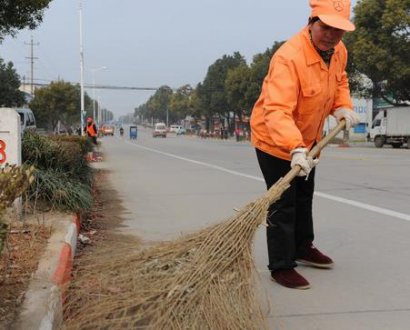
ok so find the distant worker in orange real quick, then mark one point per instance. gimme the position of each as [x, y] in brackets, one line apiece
[91, 130]
[305, 83]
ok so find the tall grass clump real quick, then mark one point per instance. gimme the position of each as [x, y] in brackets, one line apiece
[63, 177]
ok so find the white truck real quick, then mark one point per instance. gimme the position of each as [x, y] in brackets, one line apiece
[391, 126]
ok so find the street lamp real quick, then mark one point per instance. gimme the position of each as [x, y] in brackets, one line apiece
[93, 71]
[81, 67]
[100, 112]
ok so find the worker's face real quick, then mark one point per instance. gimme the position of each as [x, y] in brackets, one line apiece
[324, 36]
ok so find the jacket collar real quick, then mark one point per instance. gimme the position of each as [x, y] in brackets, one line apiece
[312, 56]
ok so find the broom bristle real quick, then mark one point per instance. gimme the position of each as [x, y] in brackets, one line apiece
[205, 280]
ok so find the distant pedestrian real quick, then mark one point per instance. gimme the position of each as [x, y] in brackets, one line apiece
[91, 130]
[237, 134]
[226, 133]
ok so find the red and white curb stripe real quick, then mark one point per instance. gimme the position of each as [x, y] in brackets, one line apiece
[43, 304]
[61, 276]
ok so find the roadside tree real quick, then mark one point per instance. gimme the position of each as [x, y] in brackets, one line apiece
[17, 15]
[158, 104]
[380, 48]
[10, 96]
[197, 102]
[180, 103]
[213, 93]
[237, 85]
[59, 101]
[141, 112]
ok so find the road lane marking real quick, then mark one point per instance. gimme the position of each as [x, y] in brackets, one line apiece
[342, 200]
[215, 167]
[368, 207]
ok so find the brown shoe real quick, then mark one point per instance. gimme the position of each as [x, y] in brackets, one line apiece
[313, 257]
[290, 278]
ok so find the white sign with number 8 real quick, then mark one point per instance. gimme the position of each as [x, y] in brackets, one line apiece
[10, 137]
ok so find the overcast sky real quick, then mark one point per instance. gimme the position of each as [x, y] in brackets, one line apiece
[149, 43]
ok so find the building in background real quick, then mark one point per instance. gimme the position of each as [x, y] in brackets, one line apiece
[364, 108]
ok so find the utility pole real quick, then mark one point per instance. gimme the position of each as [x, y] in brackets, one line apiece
[32, 58]
[81, 68]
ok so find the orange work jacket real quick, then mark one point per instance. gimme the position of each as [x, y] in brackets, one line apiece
[297, 95]
[91, 130]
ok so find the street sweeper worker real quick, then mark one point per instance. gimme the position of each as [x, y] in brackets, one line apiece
[91, 130]
[305, 83]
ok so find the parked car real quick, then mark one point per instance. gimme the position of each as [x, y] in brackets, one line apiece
[178, 129]
[174, 128]
[160, 129]
[107, 130]
[181, 131]
[27, 119]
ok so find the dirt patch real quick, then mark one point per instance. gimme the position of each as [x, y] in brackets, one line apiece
[102, 228]
[102, 225]
[24, 246]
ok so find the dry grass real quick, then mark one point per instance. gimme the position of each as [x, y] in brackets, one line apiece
[201, 281]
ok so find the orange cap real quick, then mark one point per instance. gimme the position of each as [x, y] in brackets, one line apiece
[335, 13]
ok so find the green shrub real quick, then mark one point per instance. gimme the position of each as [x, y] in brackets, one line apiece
[63, 177]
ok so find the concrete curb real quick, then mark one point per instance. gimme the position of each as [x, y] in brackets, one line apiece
[43, 303]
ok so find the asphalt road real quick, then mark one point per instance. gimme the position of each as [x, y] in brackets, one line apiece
[180, 184]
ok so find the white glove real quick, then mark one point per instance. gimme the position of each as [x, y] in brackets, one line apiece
[306, 163]
[351, 117]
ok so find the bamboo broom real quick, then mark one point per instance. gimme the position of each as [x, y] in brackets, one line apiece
[205, 280]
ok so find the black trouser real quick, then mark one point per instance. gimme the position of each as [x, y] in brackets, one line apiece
[290, 222]
[93, 139]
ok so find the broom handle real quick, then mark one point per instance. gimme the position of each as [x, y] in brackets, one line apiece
[315, 151]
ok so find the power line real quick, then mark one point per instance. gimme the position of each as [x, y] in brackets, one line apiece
[112, 87]
[91, 86]
[125, 87]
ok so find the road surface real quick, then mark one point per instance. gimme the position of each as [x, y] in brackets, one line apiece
[180, 184]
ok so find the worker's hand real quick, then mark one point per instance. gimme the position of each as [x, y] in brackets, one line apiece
[351, 117]
[300, 157]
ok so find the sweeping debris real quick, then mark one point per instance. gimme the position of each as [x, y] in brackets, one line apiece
[205, 280]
